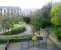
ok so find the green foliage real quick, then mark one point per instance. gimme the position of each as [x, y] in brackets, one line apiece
[21, 40]
[3, 41]
[8, 22]
[41, 18]
[56, 14]
[36, 22]
[57, 32]
[27, 19]
[56, 19]
[15, 31]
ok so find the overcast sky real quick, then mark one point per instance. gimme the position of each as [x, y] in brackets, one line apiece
[25, 3]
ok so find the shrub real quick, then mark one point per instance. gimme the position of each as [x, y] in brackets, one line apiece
[3, 41]
[57, 32]
[21, 40]
[15, 31]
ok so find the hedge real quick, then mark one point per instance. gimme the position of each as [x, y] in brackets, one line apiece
[15, 31]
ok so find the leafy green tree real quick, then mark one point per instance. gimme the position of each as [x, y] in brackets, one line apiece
[56, 14]
[56, 19]
[41, 18]
[5, 24]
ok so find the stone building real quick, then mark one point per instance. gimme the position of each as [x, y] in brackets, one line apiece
[9, 11]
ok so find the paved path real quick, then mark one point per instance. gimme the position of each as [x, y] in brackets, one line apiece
[28, 45]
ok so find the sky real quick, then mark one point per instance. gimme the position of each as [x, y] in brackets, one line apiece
[35, 4]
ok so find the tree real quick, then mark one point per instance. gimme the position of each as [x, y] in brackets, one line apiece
[46, 14]
[56, 19]
[41, 18]
[56, 14]
[5, 24]
[1, 22]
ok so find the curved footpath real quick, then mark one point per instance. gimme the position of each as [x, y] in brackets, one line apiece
[26, 34]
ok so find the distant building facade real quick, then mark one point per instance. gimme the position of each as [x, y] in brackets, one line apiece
[10, 11]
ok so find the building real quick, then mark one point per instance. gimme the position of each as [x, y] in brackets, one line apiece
[9, 11]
